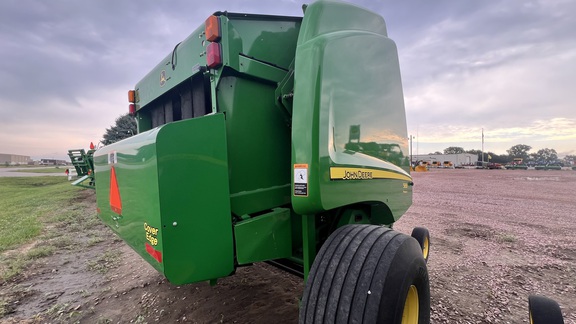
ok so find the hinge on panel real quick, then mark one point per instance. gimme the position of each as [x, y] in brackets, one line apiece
[284, 94]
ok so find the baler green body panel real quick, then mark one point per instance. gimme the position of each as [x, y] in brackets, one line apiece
[257, 51]
[299, 129]
[349, 138]
[265, 237]
[258, 146]
[254, 46]
[172, 184]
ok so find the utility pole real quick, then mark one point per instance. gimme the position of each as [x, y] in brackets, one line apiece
[411, 151]
[482, 147]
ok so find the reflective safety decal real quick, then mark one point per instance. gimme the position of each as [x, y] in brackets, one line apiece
[301, 180]
[115, 200]
[157, 255]
[350, 173]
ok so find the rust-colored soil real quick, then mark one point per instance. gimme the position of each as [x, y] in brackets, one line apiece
[497, 236]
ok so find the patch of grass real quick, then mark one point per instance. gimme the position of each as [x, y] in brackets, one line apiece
[110, 259]
[508, 238]
[62, 242]
[26, 202]
[91, 222]
[43, 170]
[12, 266]
[9, 300]
[72, 219]
[40, 252]
[66, 217]
[3, 307]
[94, 240]
[63, 312]
[14, 263]
[57, 309]
[34, 206]
[24, 166]
[84, 293]
[106, 290]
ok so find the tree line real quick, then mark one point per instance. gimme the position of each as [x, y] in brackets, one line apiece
[125, 126]
[542, 156]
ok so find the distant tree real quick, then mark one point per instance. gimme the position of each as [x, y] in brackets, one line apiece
[570, 159]
[495, 158]
[477, 152]
[435, 153]
[519, 151]
[454, 150]
[545, 156]
[124, 127]
[490, 156]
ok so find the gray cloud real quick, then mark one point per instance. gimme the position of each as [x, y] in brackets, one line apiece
[494, 64]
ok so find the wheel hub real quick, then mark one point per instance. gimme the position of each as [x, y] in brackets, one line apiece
[410, 314]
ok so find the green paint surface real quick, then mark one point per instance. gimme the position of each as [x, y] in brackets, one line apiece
[173, 183]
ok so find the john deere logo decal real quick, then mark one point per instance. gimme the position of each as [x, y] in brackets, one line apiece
[162, 78]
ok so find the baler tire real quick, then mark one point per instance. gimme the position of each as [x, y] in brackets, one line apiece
[367, 274]
[544, 310]
[422, 235]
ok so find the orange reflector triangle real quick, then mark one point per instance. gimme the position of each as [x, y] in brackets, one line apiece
[115, 201]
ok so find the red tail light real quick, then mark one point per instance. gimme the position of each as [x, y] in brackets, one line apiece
[132, 100]
[213, 55]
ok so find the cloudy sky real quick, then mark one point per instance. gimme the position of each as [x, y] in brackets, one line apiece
[505, 66]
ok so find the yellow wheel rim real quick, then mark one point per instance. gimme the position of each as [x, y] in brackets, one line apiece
[425, 248]
[410, 315]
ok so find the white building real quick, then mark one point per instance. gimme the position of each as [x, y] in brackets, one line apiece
[13, 159]
[440, 160]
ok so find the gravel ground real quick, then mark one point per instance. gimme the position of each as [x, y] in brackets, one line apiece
[497, 236]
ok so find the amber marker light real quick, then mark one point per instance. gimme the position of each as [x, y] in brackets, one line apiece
[132, 96]
[212, 30]
[132, 100]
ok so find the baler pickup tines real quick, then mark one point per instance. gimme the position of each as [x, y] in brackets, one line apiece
[83, 162]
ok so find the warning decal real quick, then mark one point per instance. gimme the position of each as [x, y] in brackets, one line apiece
[115, 200]
[112, 157]
[154, 253]
[301, 180]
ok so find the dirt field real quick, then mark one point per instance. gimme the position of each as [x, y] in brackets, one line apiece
[497, 236]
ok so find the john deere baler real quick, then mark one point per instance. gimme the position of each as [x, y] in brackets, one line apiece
[266, 138]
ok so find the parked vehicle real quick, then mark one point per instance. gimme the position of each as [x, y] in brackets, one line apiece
[493, 166]
[548, 167]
